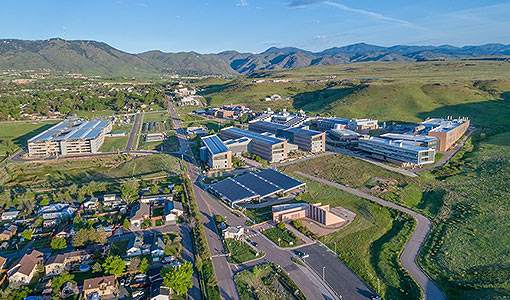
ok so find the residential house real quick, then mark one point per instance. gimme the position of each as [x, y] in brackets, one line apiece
[235, 233]
[64, 233]
[101, 286]
[10, 215]
[173, 210]
[57, 263]
[137, 246]
[3, 260]
[157, 291]
[158, 248]
[111, 200]
[23, 270]
[8, 232]
[140, 213]
[91, 204]
[161, 198]
[56, 211]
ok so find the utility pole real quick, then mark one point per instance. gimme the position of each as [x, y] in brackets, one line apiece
[323, 273]
[335, 248]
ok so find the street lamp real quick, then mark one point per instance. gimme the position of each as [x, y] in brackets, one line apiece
[323, 273]
[335, 248]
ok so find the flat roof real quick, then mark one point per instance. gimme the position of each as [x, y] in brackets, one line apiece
[214, 144]
[71, 130]
[443, 125]
[396, 143]
[409, 137]
[259, 185]
[252, 185]
[270, 125]
[283, 207]
[304, 131]
[252, 135]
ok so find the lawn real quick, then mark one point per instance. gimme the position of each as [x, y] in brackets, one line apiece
[240, 252]
[372, 244]
[119, 247]
[281, 237]
[266, 282]
[170, 144]
[150, 117]
[16, 134]
[114, 144]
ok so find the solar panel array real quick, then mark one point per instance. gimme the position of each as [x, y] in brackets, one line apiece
[254, 185]
[214, 144]
[71, 130]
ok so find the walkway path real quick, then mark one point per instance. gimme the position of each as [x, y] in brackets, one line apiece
[413, 246]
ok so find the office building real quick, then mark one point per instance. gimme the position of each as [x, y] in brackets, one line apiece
[448, 131]
[268, 148]
[215, 153]
[359, 125]
[307, 140]
[399, 152]
[70, 138]
[417, 140]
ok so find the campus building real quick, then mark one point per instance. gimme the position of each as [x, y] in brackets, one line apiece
[215, 153]
[70, 138]
[269, 148]
[305, 139]
[400, 152]
[417, 140]
[359, 125]
[316, 212]
[448, 131]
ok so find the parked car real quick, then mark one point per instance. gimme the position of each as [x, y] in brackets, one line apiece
[301, 254]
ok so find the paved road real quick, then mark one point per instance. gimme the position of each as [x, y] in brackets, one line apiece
[413, 246]
[132, 134]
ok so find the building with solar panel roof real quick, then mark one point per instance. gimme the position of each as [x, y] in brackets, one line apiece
[70, 138]
[215, 153]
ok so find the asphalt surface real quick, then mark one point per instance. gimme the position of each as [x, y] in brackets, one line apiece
[132, 134]
[413, 246]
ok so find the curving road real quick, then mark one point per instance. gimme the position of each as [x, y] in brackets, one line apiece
[413, 246]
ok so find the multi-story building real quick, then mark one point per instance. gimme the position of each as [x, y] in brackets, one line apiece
[70, 138]
[418, 140]
[215, 153]
[305, 139]
[358, 125]
[448, 131]
[400, 152]
[269, 148]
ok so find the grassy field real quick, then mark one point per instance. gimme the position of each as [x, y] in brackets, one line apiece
[281, 237]
[371, 245]
[155, 117]
[170, 144]
[266, 282]
[16, 134]
[240, 252]
[114, 144]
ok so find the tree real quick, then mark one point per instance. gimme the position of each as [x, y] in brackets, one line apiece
[264, 164]
[154, 189]
[58, 281]
[15, 294]
[129, 190]
[178, 278]
[114, 265]
[281, 225]
[96, 268]
[27, 234]
[126, 224]
[178, 189]
[58, 244]
[144, 266]
[45, 201]
[134, 264]
[86, 236]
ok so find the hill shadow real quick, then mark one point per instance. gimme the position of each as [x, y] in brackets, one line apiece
[322, 100]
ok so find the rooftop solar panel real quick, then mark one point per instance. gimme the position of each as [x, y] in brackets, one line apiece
[252, 135]
[214, 144]
[232, 190]
[71, 130]
[282, 180]
[93, 133]
[257, 184]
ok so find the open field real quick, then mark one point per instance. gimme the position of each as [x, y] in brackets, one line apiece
[240, 252]
[371, 245]
[114, 144]
[170, 144]
[16, 134]
[266, 282]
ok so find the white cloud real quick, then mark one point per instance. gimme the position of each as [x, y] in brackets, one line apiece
[242, 3]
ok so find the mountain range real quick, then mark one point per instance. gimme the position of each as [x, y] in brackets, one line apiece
[98, 58]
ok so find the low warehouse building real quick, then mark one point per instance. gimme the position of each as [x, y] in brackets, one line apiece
[316, 212]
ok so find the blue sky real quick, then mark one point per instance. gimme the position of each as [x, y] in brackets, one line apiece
[253, 26]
